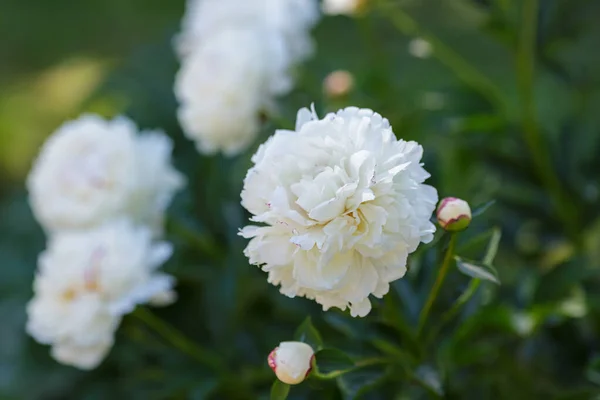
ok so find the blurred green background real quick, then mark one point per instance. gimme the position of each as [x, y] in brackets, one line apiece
[507, 109]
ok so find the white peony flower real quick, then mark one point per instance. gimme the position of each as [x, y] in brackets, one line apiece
[337, 7]
[91, 170]
[76, 324]
[85, 357]
[291, 361]
[291, 20]
[86, 281]
[340, 204]
[221, 88]
[236, 57]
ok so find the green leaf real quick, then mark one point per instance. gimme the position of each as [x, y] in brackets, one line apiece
[430, 379]
[308, 334]
[358, 381]
[473, 270]
[492, 248]
[342, 324]
[279, 390]
[331, 363]
[479, 210]
[593, 370]
[395, 340]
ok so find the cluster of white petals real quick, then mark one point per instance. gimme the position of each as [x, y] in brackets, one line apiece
[87, 280]
[236, 57]
[91, 170]
[100, 190]
[339, 204]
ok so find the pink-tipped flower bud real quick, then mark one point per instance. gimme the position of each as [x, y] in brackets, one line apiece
[343, 7]
[453, 214]
[291, 361]
[338, 84]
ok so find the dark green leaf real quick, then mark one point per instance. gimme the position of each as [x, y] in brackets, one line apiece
[474, 270]
[492, 248]
[476, 243]
[331, 363]
[430, 379]
[593, 370]
[308, 334]
[279, 390]
[359, 381]
[398, 341]
[479, 210]
[343, 324]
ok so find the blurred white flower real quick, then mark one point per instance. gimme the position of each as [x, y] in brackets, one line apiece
[336, 7]
[290, 20]
[341, 203]
[291, 361]
[420, 48]
[221, 88]
[236, 57]
[86, 281]
[91, 170]
[77, 325]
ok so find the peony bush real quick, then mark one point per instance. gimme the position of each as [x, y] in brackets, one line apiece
[315, 200]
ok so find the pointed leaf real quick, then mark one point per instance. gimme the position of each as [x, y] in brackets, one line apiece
[361, 380]
[430, 379]
[279, 390]
[593, 370]
[473, 270]
[331, 363]
[308, 334]
[492, 248]
[479, 210]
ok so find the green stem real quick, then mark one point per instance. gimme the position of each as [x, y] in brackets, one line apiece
[415, 379]
[456, 307]
[462, 300]
[537, 147]
[463, 70]
[179, 340]
[438, 283]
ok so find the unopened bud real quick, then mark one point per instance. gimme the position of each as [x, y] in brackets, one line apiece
[347, 7]
[291, 361]
[338, 84]
[454, 214]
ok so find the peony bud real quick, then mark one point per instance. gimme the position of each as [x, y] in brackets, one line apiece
[338, 84]
[454, 214]
[291, 361]
[343, 7]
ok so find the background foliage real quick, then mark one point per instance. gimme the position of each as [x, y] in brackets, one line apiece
[519, 122]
